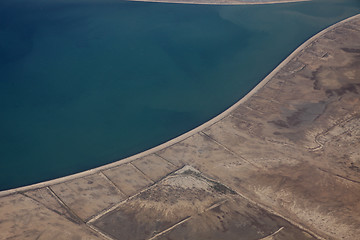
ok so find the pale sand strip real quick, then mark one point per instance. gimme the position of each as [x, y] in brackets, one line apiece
[220, 2]
[185, 135]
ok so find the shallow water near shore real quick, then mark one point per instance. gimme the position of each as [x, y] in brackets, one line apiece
[84, 83]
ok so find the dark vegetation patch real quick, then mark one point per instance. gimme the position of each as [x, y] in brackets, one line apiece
[280, 123]
[218, 187]
[351, 50]
[314, 77]
[352, 88]
[354, 167]
[192, 173]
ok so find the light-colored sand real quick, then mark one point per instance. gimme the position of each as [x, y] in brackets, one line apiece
[221, 2]
[286, 155]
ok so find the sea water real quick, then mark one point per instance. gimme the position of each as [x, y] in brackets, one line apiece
[86, 82]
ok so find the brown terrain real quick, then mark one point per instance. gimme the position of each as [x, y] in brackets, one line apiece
[281, 164]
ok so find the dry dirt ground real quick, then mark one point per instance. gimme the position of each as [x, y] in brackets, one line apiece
[283, 164]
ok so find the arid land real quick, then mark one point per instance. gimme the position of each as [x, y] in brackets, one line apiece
[283, 163]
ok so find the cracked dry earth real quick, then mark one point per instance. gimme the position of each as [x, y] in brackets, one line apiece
[284, 164]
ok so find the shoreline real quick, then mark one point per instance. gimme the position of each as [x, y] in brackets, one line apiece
[284, 155]
[217, 2]
[186, 135]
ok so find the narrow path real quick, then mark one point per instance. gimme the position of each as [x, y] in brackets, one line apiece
[251, 171]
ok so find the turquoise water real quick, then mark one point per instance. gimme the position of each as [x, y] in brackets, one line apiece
[87, 82]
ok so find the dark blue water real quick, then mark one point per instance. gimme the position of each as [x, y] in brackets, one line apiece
[87, 82]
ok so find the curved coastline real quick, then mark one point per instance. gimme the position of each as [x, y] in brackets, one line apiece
[285, 155]
[187, 134]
